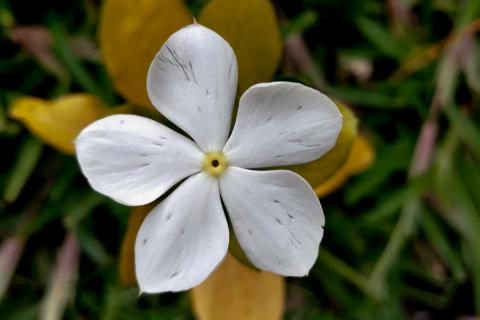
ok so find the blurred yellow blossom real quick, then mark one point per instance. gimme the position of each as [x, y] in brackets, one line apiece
[360, 158]
[131, 32]
[251, 28]
[59, 121]
[235, 291]
[320, 170]
[127, 255]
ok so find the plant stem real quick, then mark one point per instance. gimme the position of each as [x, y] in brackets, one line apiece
[10, 253]
[344, 270]
[62, 281]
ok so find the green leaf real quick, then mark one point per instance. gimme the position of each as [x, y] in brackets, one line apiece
[438, 238]
[391, 203]
[465, 129]
[473, 262]
[25, 163]
[389, 159]
[381, 38]
[455, 202]
[92, 247]
[79, 207]
[367, 98]
[345, 271]
[300, 23]
[78, 71]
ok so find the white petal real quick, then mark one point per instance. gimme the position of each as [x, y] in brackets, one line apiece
[277, 218]
[193, 81]
[183, 239]
[282, 123]
[134, 160]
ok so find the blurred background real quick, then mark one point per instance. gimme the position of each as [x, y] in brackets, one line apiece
[400, 190]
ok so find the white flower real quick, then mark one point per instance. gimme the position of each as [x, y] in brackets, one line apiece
[275, 214]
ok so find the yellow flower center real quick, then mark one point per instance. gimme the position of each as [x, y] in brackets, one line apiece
[214, 163]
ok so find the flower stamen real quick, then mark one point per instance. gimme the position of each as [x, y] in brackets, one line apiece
[214, 163]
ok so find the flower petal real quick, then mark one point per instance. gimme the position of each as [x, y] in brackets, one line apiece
[251, 28]
[126, 263]
[282, 123]
[193, 81]
[235, 291]
[277, 218]
[134, 160]
[183, 239]
[129, 35]
[59, 121]
[318, 171]
[360, 158]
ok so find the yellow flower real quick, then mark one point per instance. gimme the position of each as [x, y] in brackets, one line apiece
[131, 32]
[239, 292]
[59, 121]
[360, 158]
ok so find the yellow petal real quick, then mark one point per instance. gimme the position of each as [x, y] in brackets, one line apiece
[251, 28]
[234, 291]
[320, 170]
[360, 158]
[131, 33]
[58, 122]
[127, 255]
